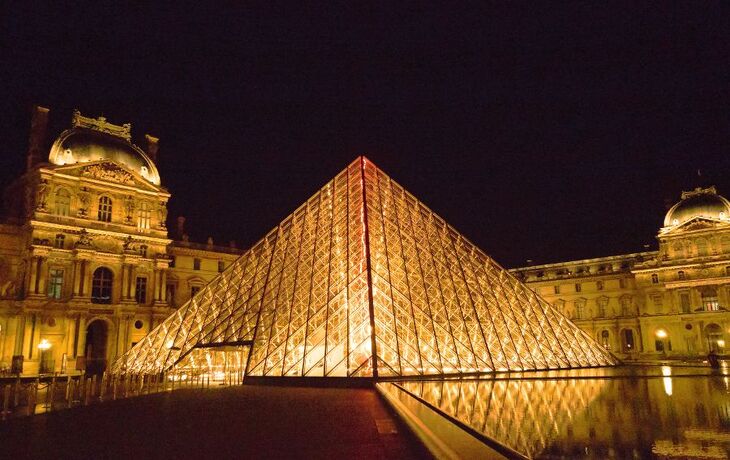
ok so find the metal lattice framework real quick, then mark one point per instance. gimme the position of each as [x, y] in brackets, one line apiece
[526, 415]
[364, 266]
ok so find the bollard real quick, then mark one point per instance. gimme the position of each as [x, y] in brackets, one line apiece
[69, 392]
[87, 392]
[102, 386]
[6, 402]
[32, 394]
[16, 393]
[52, 391]
[82, 388]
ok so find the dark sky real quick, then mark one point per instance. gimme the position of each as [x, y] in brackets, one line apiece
[543, 132]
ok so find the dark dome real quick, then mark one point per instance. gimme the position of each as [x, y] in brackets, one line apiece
[698, 203]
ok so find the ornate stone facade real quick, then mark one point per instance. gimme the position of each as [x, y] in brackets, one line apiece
[86, 263]
[670, 303]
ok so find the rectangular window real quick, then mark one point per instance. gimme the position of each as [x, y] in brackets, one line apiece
[221, 266]
[556, 289]
[55, 283]
[601, 309]
[659, 345]
[599, 285]
[196, 264]
[59, 242]
[625, 306]
[579, 307]
[143, 216]
[622, 283]
[194, 290]
[657, 300]
[654, 279]
[141, 290]
[171, 294]
[684, 302]
[577, 287]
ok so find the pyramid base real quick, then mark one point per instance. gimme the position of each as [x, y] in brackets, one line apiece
[318, 382]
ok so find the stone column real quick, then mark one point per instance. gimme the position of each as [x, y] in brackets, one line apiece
[163, 286]
[132, 282]
[75, 278]
[42, 276]
[81, 342]
[123, 285]
[19, 335]
[33, 284]
[87, 279]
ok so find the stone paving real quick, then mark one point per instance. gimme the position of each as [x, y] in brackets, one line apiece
[247, 421]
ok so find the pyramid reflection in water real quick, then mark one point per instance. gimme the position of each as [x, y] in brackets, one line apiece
[363, 266]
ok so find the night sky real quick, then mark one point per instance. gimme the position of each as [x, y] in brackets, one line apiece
[545, 133]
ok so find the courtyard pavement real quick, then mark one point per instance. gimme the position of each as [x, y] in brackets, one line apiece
[247, 421]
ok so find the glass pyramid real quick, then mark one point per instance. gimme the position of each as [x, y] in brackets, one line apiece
[363, 280]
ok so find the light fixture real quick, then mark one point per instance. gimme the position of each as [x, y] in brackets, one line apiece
[661, 333]
[44, 345]
[721, 343]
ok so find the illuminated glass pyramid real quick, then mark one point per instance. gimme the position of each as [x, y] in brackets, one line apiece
[363, 266]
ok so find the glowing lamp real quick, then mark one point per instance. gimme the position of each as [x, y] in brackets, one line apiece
[661, 333]
[44, 345]
[721, 343]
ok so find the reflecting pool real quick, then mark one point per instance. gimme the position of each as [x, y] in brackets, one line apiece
[628, 412]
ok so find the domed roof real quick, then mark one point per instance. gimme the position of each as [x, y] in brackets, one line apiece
[95, 139]
[698, 203]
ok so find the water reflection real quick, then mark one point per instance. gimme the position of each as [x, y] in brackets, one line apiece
[670, 415]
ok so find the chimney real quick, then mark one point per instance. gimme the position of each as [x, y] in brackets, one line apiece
[152, 147]
[38, 131]
[180, 227]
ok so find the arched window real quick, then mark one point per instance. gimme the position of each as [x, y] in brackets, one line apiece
[604, 340]
[101, 285]
[709, 300]
[143, 216]
[105, 209]
[63, 202]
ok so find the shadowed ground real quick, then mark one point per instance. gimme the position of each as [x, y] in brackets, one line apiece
[238, 422]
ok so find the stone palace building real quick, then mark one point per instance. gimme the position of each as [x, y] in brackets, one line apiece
[670, 303]
[87, 267]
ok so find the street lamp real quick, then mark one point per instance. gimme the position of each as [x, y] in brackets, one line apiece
[44, 345]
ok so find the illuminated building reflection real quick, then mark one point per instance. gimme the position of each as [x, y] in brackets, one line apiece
[680, 415]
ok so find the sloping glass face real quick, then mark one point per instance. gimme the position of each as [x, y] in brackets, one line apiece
[364, 266]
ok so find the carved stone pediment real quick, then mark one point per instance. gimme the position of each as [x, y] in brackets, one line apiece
[106, 244]
[108, 171]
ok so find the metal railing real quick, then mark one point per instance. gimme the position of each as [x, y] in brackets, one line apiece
[23, 396]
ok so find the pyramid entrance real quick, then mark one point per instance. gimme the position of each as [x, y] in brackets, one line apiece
[363, 280]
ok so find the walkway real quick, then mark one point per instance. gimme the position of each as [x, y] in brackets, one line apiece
[237, 422]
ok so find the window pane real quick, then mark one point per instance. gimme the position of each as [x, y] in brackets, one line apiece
[141, 290]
